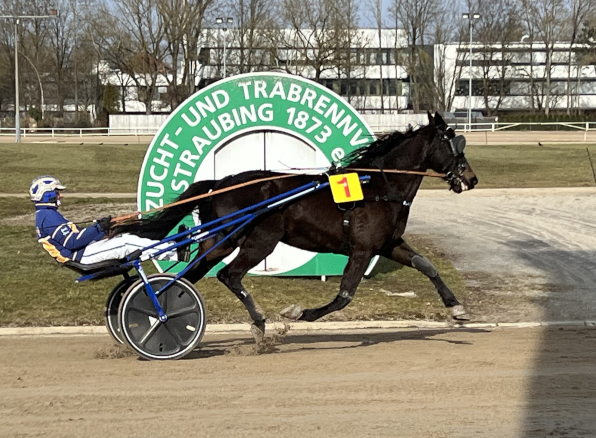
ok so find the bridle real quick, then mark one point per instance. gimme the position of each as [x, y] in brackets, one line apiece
[457, 144]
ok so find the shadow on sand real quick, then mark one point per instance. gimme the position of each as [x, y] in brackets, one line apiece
[562, 390]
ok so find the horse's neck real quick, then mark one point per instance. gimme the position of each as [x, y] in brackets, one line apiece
[407, 157]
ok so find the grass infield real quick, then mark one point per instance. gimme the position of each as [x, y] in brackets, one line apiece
[35, 290]
[115, 168]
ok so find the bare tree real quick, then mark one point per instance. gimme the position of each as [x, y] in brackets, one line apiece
[415, 18]
[61, 47]
[349, 52]
[498, 27]
[182, 23]
[135, 43]
[255, 26]
[545, 20]
[446, 75]
[313, 35]
[580, 11]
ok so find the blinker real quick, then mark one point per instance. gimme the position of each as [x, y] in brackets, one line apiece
[458, 143]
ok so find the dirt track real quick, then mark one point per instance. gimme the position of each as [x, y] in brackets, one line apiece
[535, 245]
[501, 383]
[443, 384]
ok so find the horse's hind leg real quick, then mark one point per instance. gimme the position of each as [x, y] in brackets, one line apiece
[257, 245]
[353, 272]
[206, 264]
[402, 253]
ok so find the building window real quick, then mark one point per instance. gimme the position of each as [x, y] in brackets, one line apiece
[205, 56]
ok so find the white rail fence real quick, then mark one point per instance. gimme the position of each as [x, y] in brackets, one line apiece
[151, 131]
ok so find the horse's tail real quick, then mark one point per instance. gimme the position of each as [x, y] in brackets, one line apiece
[158, 225]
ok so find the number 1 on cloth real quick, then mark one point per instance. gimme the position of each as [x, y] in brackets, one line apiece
[346, 188]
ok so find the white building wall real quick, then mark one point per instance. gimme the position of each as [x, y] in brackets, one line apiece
[534, 57]
[137, 123]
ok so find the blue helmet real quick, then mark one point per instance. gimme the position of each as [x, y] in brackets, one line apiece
[43, 190]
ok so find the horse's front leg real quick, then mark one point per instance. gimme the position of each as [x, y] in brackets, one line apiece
[355, 269]
[402, 253]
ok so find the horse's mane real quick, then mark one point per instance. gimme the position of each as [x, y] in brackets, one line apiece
[379, 148]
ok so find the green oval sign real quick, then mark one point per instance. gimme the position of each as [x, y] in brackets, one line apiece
[232, 112]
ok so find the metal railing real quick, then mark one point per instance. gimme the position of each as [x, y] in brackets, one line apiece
[80, 132]
[502, 126]
[462, 127]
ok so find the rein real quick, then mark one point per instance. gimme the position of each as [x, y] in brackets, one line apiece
[409, 172]
[137, 215]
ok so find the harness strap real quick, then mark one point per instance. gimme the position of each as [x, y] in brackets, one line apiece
[137, 215]
[345, 244]
[391, 193]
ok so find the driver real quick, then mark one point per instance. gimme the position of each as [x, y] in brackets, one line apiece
[64, 241]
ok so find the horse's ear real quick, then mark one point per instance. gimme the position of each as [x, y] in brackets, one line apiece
[439, 120]
[431, 120]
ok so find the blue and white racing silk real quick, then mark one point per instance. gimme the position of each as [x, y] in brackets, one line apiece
[60, 237]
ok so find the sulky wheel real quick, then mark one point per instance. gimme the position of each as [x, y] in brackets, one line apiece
[156, 340]
[112, 305]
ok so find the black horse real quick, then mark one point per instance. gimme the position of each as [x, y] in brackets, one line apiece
[361, 231]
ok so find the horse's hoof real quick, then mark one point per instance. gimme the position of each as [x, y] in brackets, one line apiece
[459, 313]
[258, 331]
[292, 312]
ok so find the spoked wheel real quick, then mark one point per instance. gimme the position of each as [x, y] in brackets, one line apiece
[112, 305]
[146, 334]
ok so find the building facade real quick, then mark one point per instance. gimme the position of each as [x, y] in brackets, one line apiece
[520, 76]
[373, 77]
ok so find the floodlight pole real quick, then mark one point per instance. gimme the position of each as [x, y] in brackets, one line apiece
[470, 17]
[220, 20]
[17, 104]
[17, 112]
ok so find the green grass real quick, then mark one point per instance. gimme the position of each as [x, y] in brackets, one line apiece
[115, 168]
[37, 291]
[82, 168]
[11, 207]
[508, 166]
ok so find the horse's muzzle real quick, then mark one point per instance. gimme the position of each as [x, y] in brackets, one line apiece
[462, 181]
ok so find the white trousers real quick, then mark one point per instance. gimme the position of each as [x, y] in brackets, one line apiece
[122, 245]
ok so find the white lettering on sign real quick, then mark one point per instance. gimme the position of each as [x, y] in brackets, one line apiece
[227, 121]
[244, 86]
[266, 112]
[260, 89]
[158, 171]
[307, 97]
[294, 93]
[337, 154]
[200, 143]
[278, 90]
[216, 101]
[321, 104]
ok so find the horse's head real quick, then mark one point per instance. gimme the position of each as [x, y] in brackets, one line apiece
[446, 155]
